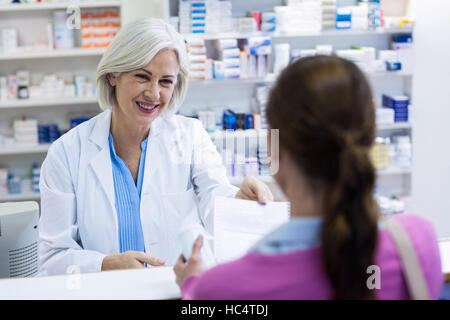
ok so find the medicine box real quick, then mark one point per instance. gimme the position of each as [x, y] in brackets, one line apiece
[399, 104]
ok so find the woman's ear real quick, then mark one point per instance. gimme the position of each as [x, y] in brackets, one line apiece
[112, 79]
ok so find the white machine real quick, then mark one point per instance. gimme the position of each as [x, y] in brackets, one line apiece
[19, 239]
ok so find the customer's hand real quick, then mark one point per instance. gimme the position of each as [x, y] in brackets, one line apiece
[183, 269]
[129, 260]
[253, 189]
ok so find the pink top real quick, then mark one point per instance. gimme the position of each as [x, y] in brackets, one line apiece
[300, 275]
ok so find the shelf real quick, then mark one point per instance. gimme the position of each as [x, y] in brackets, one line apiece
[275, 35]
[31, 103]
[399, 73]
[20, 197]
[271, 78]
[265, 80]
[24, 149]
[394, 172]
[394, 126]
[57, 5]
[269, 179]
[44, 54]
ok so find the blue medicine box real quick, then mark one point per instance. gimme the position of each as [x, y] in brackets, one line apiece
[400, 105]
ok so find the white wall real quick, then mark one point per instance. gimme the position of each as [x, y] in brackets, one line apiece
[431, 94]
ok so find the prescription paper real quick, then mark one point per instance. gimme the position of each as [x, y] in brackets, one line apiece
[239, 224]
[444, 249]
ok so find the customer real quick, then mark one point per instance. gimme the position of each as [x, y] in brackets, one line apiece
[323, 108]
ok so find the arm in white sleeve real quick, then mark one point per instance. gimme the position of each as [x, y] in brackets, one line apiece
[209, 176]
[60, 248]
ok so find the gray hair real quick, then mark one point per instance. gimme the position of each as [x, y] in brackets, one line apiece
[133, 48]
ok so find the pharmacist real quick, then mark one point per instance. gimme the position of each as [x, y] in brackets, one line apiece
[116, 189]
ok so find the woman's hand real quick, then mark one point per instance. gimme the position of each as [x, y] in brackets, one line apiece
[129, 260]
[253, 189]
[193, 266]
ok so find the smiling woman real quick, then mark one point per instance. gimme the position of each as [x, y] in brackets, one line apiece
[116, 190]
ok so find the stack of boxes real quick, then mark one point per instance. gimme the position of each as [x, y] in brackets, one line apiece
[403, 46]
[360, 17]
[259, 48]
[3, 181]
[99, 27]
[380, 154]
[184, 13]
[305, 15]
[228, 64]
[218, 16]
[343, 18]
[48, 133]
[328, 14]
[399, 104]
[198, 62]
[200, 16]
[366, 15]
[35, 175]
[14, 184]
[25, 131]
[268, 22]
[374, 14]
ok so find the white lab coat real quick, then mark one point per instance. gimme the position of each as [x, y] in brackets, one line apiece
[78, 224]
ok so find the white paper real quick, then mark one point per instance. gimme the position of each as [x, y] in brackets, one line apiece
[444, 248]
[239, 224]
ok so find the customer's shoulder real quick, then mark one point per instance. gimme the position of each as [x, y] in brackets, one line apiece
[420, 231]
[414, 223]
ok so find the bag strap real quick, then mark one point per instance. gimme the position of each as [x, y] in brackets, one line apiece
[412, 270]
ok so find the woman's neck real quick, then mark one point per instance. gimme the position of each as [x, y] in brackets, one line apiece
[304, 202]
[125, 133]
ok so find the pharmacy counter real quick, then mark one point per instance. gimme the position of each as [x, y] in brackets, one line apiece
[151, 283]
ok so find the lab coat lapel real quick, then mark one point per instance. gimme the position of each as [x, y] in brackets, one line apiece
[153, 155]
[101, 161]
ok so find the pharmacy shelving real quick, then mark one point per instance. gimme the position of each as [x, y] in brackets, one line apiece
[46, 54]
[57, 5]
[32, 103]
[271, 78]
[277, 35]
[32, 54]
[43, 148]
[394, 172]
[20, 197]
[24, 149]
[237, 181]
[394, 126]
[270, 180]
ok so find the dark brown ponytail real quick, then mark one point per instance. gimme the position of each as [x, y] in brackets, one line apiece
[323, 108]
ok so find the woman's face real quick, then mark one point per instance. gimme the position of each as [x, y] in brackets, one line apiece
[144, 93]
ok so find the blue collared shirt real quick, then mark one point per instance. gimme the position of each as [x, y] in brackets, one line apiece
[299, 233]
[128, 199]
